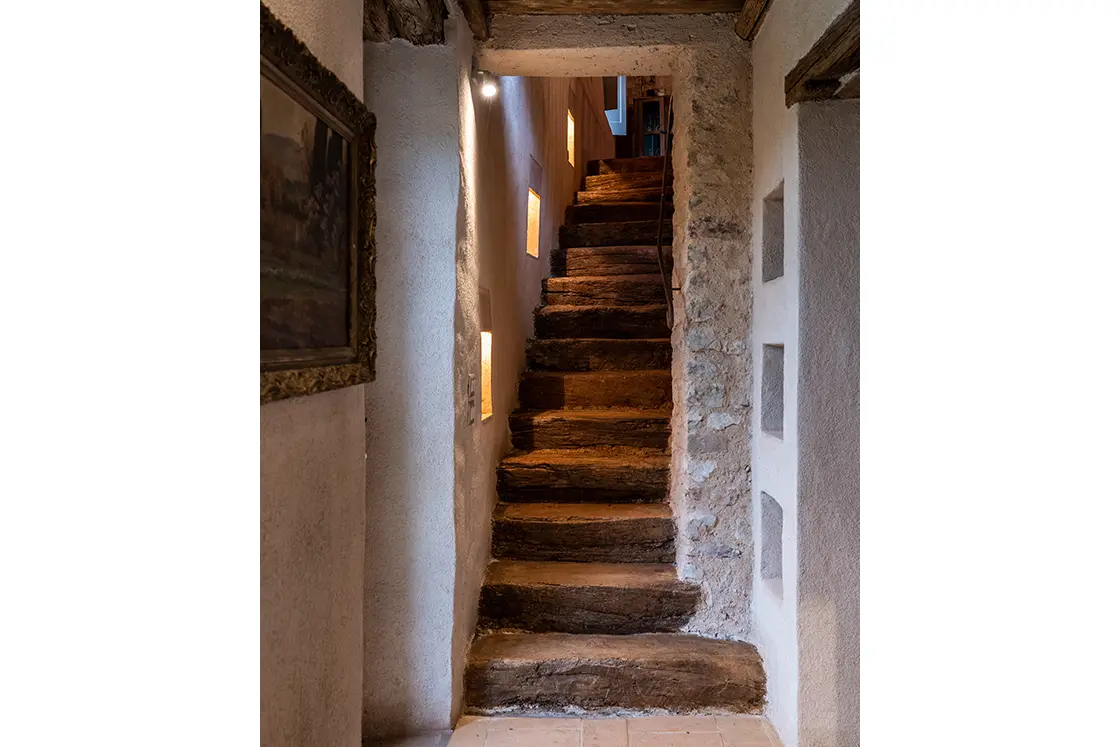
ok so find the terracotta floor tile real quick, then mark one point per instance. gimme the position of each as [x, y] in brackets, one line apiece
[675, 739]
[501, 736]
[604, 733]
[673, 724]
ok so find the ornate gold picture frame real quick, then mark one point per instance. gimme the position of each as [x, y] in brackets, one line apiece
[317, 224]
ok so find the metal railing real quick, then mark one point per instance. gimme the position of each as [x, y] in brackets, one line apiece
[666, 278]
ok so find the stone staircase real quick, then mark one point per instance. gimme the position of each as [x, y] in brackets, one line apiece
[581, 606]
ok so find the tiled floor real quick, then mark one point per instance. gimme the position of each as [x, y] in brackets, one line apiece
[653, 731]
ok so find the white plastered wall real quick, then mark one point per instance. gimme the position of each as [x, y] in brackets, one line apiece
[313, 502]
[452, 182]
[791, 633]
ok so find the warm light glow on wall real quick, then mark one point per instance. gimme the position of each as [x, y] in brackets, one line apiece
[571, 138]
[533, 231]
[487, 390]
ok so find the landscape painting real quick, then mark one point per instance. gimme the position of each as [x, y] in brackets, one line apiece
[307, 242]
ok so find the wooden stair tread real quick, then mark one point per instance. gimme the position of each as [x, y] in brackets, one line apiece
[594, 575]
[673, 671]
[601, 414]
[640, 458]
[581, 512]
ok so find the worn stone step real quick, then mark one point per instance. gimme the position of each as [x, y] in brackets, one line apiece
[581, 261]
[627, 180]
[558, 672]
[553, 390]
[626, 165]
[579, 429]
[621, 194]
[615, 211]
[584, 475]
[617, 322]
[608, 290]
[616, 598]
[585, 532]
[623, 233]
[589, 354]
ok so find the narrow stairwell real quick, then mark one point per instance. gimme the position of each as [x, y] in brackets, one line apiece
[581, 607]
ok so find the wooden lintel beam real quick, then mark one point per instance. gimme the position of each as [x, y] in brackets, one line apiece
[476, 13]
[751, 17]
[375, 26]
[611, 7]
[834, 56]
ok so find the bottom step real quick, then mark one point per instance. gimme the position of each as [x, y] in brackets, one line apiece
[558, 672]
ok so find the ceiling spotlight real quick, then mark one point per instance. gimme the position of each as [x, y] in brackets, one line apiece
[488, 84]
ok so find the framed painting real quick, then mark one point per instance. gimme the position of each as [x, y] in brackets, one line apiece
[317, 224]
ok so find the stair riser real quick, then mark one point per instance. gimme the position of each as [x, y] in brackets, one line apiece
[626, 165]
[620, 291]
[618, 541]
[582, 484]
[612, 260]
[620, 212]
[631, 180]
[587, 609]
[598, 355]
[615, 323]
[633, 233]
[652, 390]
[608, 685]
[599, 196]
[652, 433]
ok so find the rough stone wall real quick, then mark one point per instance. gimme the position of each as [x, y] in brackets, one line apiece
[711, 492]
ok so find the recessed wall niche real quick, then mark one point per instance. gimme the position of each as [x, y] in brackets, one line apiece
[773, 235]
[487, 345]
[773, 389]
[771, 560]
[571, 139]
[533, 209]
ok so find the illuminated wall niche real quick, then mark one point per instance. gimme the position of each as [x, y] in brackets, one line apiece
[533, 209]
[571, 138]
[487, 354]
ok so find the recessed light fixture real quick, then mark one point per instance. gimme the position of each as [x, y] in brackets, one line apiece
[488, 83]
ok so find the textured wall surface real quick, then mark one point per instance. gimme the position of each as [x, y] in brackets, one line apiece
[452, 180]
[500, 137]
[711, 73]
[410, 408]
[332, 30]
[790, 30]
[828, 433]
[312, 515]
[711, 334]
[312, 503]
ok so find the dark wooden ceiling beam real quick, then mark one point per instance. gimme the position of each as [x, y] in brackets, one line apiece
[751, 17]
[611, 7]
[476, 13]
[835, 55]
[417, 21]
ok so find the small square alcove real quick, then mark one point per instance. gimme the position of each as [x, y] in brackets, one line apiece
[771, 561]
[773, 389]
[773, 235]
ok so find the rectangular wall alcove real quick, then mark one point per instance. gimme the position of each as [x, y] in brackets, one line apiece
[773, 235]
[771, 561]
[773, 389]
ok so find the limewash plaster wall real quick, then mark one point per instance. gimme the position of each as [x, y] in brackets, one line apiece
[712, 162]
[313, 503]
[789, 31]
[828, 430]
[452, 184]
[410, 408]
